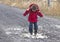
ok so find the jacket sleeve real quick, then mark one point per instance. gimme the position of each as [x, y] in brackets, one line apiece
[26, 12]
[40, 14]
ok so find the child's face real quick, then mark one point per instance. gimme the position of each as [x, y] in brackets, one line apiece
[34, 8]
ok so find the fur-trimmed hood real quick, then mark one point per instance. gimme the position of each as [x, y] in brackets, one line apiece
[34, 5]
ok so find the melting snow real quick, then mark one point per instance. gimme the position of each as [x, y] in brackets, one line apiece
[38, 35]
[8, 33]
[58, 26]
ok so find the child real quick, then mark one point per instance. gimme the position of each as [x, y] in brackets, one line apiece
[33, 12]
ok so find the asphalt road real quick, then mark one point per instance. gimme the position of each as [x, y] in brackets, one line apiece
[13, 24]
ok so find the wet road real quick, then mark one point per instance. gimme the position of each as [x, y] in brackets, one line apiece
[13, 24]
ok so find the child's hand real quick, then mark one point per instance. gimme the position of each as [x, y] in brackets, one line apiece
[27, 9]
[26, 12]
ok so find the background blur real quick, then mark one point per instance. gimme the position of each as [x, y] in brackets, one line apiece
[48, 7]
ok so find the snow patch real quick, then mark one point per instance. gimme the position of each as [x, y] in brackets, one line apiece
[37, 36]
[8, 33]
[13, 30]
[41, 36]
[58, 26]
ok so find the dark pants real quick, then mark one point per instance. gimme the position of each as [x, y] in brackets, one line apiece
[31, 27]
